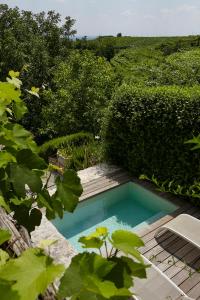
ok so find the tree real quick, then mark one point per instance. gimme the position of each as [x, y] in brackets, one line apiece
[67, 28]
[119, 34]
[81, 89]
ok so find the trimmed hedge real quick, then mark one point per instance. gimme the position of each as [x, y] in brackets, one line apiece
[145, 129]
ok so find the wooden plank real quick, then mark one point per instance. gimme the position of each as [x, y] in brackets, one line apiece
[99, 183]
[104, 188]
[194, 292]
[112, 175]
[163, 255]
[190, 257]
[187, 281]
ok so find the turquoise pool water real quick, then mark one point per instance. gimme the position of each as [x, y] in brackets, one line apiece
[128, 206]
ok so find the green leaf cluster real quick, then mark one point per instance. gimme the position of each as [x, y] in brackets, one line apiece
[22, 169]
[145, 130]
[27, 276]
[95, 277]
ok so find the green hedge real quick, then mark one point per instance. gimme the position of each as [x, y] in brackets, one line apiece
[145, 129]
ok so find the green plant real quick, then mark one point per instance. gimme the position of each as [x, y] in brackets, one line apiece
[95, 277]
[55, 144]
[82, 87]
[23, 193]
[22, 190]
[145, 130]
[191, 191]
[85, 155]
[27, 276]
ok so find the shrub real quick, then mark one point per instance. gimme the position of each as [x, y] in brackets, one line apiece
[145, 130]
[79, 157]
[82, 87]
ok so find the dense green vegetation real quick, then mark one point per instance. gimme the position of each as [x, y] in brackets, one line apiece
[145, 131]
[81, 80]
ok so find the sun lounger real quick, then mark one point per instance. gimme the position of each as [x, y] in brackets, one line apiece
[157, 286]
[185, 226]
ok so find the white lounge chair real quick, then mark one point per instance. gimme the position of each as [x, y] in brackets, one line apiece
[185, 226]
[157, 286]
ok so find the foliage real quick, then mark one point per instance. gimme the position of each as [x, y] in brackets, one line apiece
[82, 156]
[191, 191]
[138, 65]
[30, 274]
[89, 274]
[4, 236]
[77, 138]
[82, 88]
[148, 66]
[92, 276]
[145, 130]
[181, 68]
[27, 276]
[32, 43]
[21, 168]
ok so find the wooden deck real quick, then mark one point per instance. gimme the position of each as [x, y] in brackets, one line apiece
[179, 260]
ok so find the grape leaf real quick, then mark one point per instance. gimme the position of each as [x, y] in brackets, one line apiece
[91, 242]
[127, 242]
[9, 93]
[29, 219]
[137, 269]
[107, 289]
[13, 74]
[5, 158]
[32, 272]
[7, 292]
[19, 110]
[80, 276]
[68, 190]
[4, 204]
[20, 176]
[46, 243]
[30, 160]
[5, 235]
[4, 257]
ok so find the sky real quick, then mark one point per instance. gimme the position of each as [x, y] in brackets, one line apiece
[130, 17]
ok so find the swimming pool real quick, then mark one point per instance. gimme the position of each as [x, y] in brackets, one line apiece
[128, 206]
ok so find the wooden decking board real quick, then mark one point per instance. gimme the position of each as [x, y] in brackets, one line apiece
[194, 292]
[185, 251]
[179, 250]
[103, 186]
[105, 182]
[164, 239]
[164, 220]
[148, 234]
[190, 257]
[167, 245]
[154, 248]
[185, 282]
[163, 255]
[192, 282]
[110, 176]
